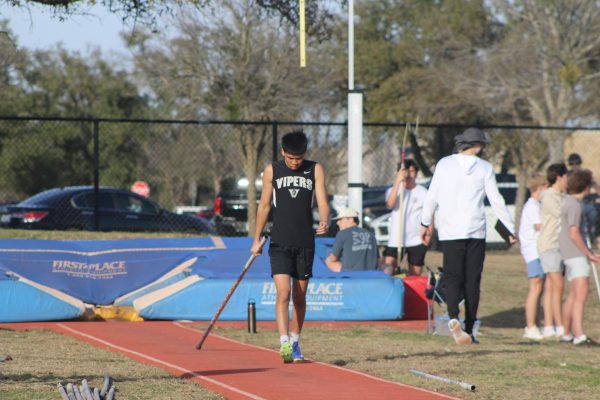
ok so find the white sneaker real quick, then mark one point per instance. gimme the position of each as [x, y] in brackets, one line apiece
[460, 336]
[548, 332]
[566, 339]
[559, 331]
[579, 339]
[533, 333]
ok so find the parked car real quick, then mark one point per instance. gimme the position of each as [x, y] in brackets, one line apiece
[118, 210]
[205, 212]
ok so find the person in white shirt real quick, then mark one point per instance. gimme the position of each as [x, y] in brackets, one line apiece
[459, 185]
[414, 197]
[529, 230]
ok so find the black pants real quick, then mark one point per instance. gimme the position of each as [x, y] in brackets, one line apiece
[463, 265]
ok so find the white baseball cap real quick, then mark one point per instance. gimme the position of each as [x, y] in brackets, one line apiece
[346, 213]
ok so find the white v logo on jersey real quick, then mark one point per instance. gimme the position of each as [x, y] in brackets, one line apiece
[306, 172]
[294, 192]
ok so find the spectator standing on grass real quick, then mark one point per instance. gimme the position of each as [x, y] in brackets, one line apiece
[457, 190]
[576, 256]
[414, 197]
[529, 229]
[589, 213]
[291, 185]
[355, 248]
[548, 248]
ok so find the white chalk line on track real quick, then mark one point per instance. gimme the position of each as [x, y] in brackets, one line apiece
[167, 364]
[179, 324]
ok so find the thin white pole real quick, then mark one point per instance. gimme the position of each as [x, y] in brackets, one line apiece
[355, 122]
[351, 45]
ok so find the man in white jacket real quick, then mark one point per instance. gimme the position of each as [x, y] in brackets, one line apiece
[457, 190]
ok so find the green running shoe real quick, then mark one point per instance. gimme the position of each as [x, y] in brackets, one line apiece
[285, 351]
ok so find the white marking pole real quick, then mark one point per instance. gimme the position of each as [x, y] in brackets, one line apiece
[463, 385]
[355, 184]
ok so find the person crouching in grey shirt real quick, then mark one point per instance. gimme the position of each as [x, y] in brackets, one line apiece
[355, 248]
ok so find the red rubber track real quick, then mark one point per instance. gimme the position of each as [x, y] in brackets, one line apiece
[228, 367]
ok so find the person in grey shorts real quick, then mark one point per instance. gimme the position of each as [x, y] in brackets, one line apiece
[355, 248]
[576, 257]
[547, 244]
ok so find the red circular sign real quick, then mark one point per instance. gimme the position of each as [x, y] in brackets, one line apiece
[141, 188]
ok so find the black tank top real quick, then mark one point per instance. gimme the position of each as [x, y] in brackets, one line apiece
[293, 193]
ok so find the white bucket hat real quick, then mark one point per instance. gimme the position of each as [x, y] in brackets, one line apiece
[346, 213]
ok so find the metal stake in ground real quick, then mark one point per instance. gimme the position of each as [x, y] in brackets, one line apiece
[401, 205]
[235, 285]
[463, 385]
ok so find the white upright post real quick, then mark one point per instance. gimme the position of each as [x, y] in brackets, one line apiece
[355, 152]
[355, 122]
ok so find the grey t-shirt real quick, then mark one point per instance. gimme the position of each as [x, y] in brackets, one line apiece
[570, 215]
[356, 248]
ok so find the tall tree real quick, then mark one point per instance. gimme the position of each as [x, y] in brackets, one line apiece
[545, 70]
[41, 154]
[231, 61]
[401, 51]
[10, 57]
[152, 12]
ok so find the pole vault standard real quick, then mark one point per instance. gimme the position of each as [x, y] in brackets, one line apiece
[235, 285]
[463, 385]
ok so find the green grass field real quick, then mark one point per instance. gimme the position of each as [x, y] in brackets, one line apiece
[503, 366]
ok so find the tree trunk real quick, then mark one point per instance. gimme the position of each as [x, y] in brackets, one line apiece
[556, 146]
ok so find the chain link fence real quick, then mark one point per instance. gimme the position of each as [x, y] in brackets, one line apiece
[198, 172]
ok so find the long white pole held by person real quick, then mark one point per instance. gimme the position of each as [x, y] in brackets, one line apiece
[235, 285]
[401, 205]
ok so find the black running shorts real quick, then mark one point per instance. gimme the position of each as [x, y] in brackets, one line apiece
[416, 254]
[294, 261]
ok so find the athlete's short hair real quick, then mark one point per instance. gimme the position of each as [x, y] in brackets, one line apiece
[535, 181]
[554, 171]
[578, 180]
[294, 142]
[409, 163]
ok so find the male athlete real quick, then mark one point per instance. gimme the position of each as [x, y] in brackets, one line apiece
[291, 185]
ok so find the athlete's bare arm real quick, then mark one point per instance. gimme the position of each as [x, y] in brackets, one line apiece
[390, 201]
[321, 195]
[264, 206]
[333, 263]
